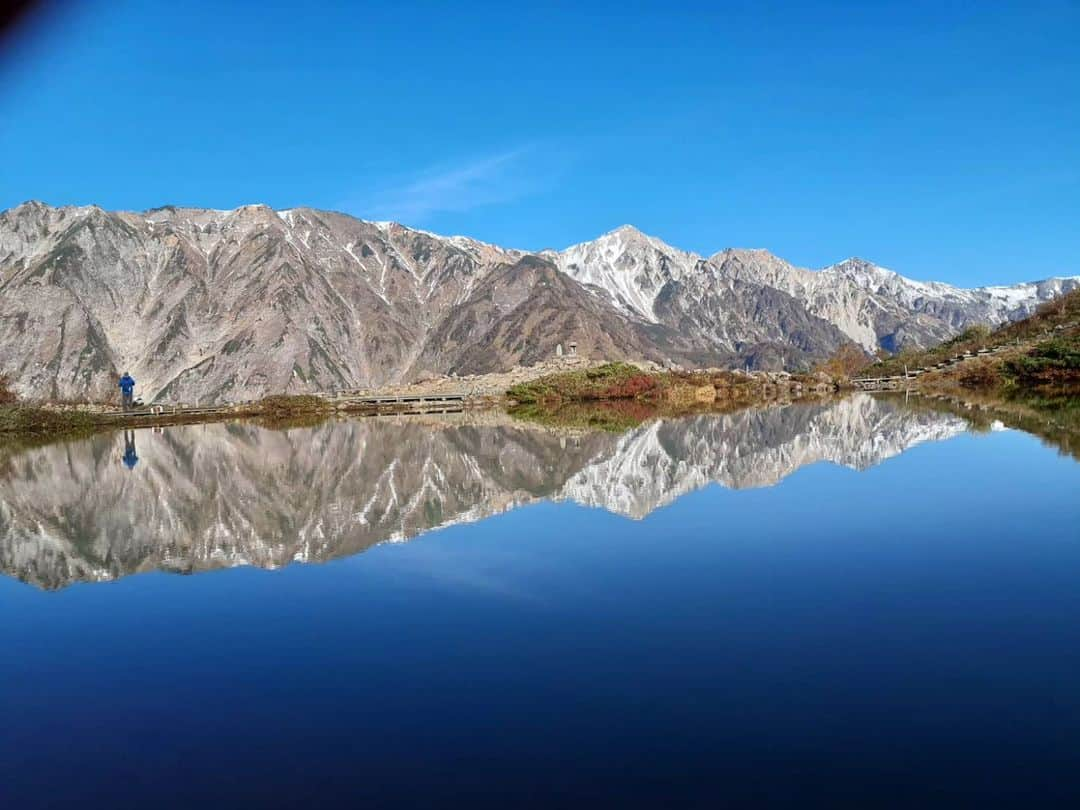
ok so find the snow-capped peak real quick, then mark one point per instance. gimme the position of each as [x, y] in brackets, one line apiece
[868, 275]
[628, 266]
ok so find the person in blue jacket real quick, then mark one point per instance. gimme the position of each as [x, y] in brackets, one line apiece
[127, 388]
[130, 457]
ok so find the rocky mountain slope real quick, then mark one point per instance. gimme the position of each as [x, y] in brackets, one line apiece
[206, 306]
[220, 495]
[870, 305]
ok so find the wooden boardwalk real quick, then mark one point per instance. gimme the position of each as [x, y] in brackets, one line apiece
[906, 380]
[452, 402]
[411, 399]
[404, 404]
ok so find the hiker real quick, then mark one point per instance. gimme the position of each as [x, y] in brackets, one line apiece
[127, 388]
[130, 458]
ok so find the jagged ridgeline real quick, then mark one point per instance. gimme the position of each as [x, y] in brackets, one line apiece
[210, 306]
[234, 494]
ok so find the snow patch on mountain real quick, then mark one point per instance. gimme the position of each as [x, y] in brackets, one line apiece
[630, 267]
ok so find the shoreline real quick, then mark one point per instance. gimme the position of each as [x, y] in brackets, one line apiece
[562, 393]
[26, 422]
[1058, 424]
[47, 421]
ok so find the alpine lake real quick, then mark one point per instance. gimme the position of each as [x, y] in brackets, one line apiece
[865, 600]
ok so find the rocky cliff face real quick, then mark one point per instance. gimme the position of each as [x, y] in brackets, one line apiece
[213, 496]
[208, 306]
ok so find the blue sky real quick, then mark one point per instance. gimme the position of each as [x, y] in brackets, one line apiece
[939, 139]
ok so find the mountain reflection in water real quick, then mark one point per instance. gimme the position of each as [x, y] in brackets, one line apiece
[211, 496]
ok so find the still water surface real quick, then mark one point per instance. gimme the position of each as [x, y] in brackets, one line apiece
[852, 601]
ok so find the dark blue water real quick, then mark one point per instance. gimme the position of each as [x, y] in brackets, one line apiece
[908, 634]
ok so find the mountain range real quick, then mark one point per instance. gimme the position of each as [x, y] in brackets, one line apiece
[214, 496]
[208, 306]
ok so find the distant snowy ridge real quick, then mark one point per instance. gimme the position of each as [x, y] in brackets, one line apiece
[633, 269]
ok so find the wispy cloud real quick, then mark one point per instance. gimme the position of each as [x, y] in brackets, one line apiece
[463, 186]
[499, 574]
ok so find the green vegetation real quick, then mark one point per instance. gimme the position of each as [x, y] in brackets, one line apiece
[622, 381]
[24, 422]
[610, 381]
[618, 396]
[1037, 358]
[283, 412]
[283, 406]
[848, 361]
[7, 396]
[1049, 363]
[611, 416]
[24, 425]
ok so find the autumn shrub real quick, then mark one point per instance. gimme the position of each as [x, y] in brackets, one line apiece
[281, 406]
[979, 375]
[848, 361]
[630, 387]
[612, 416]
[1051, 362]
[7, 396]
[600, 382]
[21, 420]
